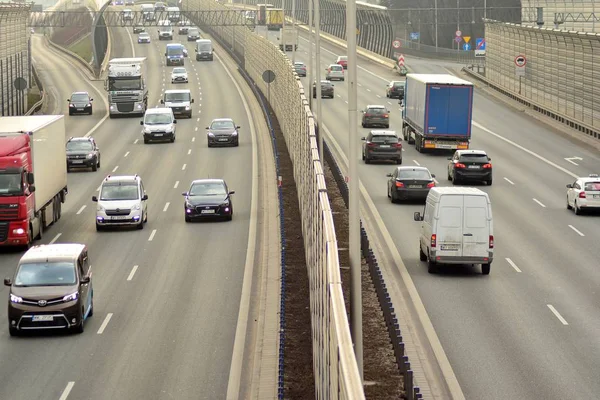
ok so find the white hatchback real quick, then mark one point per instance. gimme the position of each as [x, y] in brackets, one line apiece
[122, 200]
[335, 72]
[179, 74]
[584, 194]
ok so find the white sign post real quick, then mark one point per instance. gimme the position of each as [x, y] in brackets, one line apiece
[520, 63]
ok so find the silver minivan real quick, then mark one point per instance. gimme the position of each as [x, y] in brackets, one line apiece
[158, 125]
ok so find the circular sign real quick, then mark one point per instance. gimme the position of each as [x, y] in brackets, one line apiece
[520, 61]
[397, 44]
[268, 76]
[20, 84]
[458, 33]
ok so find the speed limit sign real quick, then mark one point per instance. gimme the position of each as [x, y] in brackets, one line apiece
[397, 44]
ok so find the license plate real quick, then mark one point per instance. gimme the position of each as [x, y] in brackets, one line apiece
[223, 140]
[385, 146]
[80, 109]
[444, 146]
[38, 318]
[474, 166]
[208, 211]
[414, 186]
[77, 161]
[597, 196]
[449, 247]
[158, 134]
[120, 217]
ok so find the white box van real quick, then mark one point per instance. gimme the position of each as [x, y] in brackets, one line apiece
[457, 228]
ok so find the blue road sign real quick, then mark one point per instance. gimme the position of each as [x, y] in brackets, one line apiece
[466, 47]
[480, 43]
[414, 36]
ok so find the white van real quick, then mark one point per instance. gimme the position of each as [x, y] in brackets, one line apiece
[457, 228]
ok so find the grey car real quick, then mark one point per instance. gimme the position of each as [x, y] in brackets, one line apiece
[223, 132]
[80, 103]
[138, 29]
[300, 68]
[327, 90]
[82, 152]
[375, 116]
[382, 145]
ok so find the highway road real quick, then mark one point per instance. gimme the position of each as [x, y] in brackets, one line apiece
[529, 330]
[166, 297]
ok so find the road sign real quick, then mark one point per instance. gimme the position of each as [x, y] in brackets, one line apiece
[458, 39]
[268, 76]
[466, 47]
[458, 33]
[520, 61]
[401, 60]
[466, 38]
[397, 44]
[414, 35]
[480, 47]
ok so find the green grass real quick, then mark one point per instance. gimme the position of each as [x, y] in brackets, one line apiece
[83, 48]
[33, 97]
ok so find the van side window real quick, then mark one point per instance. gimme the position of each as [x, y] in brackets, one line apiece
[475, 217]
[450, 217]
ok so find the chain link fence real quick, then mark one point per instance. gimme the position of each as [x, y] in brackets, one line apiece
[569, 15]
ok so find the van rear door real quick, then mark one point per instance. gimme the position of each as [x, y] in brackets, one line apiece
[449, 232]
[476, 227]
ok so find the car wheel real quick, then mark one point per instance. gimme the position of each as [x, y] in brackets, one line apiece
[388, 193]
[95, 167]
[209, 145]
[98, 162]
[394, 198]
[399, 161]
[79, 327]
[173, 139]
[363, 125]
[146, 141]
[576, 208]
[387, 126]
[13, 331]
[422, 255]
[229, 218]
[188, 219]
[99, 227]
[449, 177]
[489, 183]
[91, 313]
[367, 160]
[140, 226]
[70, 112]
[568, 205]
[431, 266]
[485, 268]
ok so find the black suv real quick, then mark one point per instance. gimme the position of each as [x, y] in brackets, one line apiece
[382, 145]
[83, 152]
[470, 165]
[327, 90]
[375, 116]
[80, 103]
[395, 90]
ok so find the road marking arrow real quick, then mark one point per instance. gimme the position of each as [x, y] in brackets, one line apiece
[570, 159]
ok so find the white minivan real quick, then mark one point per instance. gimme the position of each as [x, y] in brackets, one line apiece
[457, 228]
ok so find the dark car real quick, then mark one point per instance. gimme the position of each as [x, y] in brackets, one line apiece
[193, 34]
[409, 183]
[138, 29]
[80, 103]
[470, 165]
[208, 198]
[82, 152]
[327, 90]
[223, 132]
[395, 90]
[382, 145]
[300, 68]
[375, 116]
[51, 289]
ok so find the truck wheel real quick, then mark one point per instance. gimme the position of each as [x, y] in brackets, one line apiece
[41, 233]
[422, 255]
[485, 268]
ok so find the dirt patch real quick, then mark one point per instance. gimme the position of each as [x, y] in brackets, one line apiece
[381, 374]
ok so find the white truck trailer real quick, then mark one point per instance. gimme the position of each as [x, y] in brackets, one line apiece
[288, 39]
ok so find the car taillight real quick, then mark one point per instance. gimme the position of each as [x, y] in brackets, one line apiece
[487, 166]
[398, 145]
[582, 195]
[491, 241]
[459, 165]
[367, 115]
[399, 184]
[371, 144]
[433, 240]
[430, 185]
[386, 115]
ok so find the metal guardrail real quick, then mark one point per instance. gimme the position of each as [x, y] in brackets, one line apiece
[336, 371]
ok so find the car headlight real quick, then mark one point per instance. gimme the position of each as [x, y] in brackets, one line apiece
[188, 205]
[71, 105]
[187, 107]
[89, 105]
[168, 130]
[226, 204]
[89, 156]
[137, 207]
[15, 299]
[234, 133]
[146, 130]
[71, 297]
[211, 134]
[18, 231]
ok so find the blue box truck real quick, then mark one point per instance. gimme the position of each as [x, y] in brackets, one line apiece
[437, 114]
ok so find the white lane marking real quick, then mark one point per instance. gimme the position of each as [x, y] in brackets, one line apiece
[132, 273]
[98, 188]
[81, 209]
[115, 169]
[166, 206]
[368, 90]
[55, 238]
[570, 159]
[67, 390]
[359, 84]
[378, 96]
[152, 235]
[512, 264]
[339, 96]
[539, 202]
[196, 129]
[126, 154]
[416, 162]
[183, 167]
[390, 103]
[193, 139]
[576, 230]
[346, 101]
[518, 146]
[189, 151]
[557, 314]
[197, 119]
[135, 141]
[105, 323]
[509, 181]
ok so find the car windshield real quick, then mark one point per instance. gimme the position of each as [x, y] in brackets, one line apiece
[157, 119]
[222, 125]
[477, 158]
[336, 67]
[144, 35]
[80, 145]
[117, 191]
[10, 184]
[592, 186]
[174, 51]
[414, 174]
[342, 58]
[177, 97]
[46, 274]
[193, 31]
[376, 111]
[125, 84]
[207, 189]
[398, 84]
[179, 70]
[384, 139]
[79, 97]
[204, 46]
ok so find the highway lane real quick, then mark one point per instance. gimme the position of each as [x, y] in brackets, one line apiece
[172, 325]
[501, 329]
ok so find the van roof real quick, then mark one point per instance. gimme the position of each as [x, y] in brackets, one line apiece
[452, 190]
[439, 78]
[178, 91]
[159, 110]
[56, 251]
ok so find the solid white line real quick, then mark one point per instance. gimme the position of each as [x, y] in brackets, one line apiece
[196, 129]
[194, 139]
[509, 181]
[135, 141]
[576, 230]
[189, 151]
[55, 238]
[512, 264]
[557, 314]
[166, 206]
[152, 235]
[183, 168]
[67, 390]
[81, 209]
[126, 154]
[105, 323]
[416, 162]
[539, 202]
[115, 169]
[132, 273]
